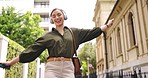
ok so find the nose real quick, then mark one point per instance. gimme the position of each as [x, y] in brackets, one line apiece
[57, 17]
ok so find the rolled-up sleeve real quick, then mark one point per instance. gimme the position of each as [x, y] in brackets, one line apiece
[32, 52]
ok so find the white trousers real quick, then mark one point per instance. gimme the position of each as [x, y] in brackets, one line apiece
[59, 69]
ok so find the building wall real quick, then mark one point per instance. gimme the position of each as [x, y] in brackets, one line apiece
[102, 10]
[127, 39]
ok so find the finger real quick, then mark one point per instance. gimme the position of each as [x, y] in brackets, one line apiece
[112, 19]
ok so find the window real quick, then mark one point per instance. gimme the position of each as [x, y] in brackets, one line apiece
[41, 4]
[45, 18]
[119, 41]
[100, 50]
[110, 50]
[131, 30]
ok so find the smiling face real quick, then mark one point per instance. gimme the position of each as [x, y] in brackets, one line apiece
[57, 17]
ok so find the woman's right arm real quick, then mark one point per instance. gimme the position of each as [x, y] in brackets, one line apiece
[11, 62]
[30, 53]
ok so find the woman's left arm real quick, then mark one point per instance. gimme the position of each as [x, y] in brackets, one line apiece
[83, 35]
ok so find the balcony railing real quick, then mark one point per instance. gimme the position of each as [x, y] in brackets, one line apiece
[41, 5]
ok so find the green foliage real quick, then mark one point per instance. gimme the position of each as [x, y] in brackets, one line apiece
[87, 51]
[30, 29]
[43, 57]
[22, 28]
[84, 68]
[14, 49]
[32, 70]
[9, 21]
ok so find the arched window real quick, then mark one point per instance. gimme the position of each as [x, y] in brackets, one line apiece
[119, 41]
[110, 49]
[131, 30]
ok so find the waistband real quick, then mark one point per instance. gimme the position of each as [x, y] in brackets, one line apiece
[58, 59]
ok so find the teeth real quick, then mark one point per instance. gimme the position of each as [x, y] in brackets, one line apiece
[57, 21]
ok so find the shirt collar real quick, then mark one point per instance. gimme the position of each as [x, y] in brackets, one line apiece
[54, 29]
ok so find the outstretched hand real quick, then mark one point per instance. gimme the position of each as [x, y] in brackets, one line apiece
[4, 66]
[110, 23]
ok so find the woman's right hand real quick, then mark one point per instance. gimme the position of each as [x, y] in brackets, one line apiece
[11, 62]
[5, 65]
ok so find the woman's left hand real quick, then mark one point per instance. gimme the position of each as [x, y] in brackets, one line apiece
[110, 23]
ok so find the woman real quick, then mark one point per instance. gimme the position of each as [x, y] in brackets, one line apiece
[59, 43]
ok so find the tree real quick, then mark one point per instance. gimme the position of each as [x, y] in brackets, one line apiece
[22, 28]
[87, 51]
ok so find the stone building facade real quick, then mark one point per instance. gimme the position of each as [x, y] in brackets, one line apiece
[127, 40]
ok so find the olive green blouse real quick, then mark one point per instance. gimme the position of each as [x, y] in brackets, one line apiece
[58, 45]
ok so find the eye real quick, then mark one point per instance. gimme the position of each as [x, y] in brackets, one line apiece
[59, 14]
[53, 16]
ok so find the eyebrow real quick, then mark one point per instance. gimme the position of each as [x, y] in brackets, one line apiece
[57, 14]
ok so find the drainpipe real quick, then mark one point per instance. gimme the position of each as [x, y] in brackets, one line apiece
[106, 55]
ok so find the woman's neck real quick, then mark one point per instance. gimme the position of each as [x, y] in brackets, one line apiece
[60, 29]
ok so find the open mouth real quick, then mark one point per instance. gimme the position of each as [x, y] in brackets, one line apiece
[58, 20]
